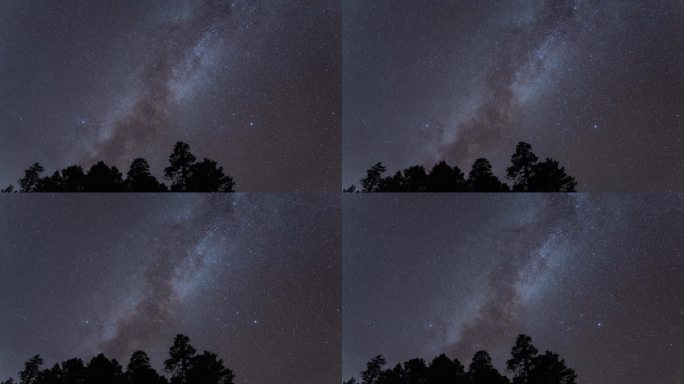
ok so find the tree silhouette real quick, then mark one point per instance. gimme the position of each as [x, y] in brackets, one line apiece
[50, 183]
[527, 366]
[31, 371]
[373, 176]
[207, 176]
[140, 371]
[103, 178]
[185, 174]
[521, 169]
[391, 376]
[50, 376]
[415, 370]
[102, 370]
[482, 371]
[526, 173]
[444, 370]
[140, 179]
[550, 177]
[74, 179]
[73, 371]
[444, 178]
[179, 361]
[549, 368]
[31, 176]
[181, 161]
[183, 363]
[207, 368]
[482, 179]
[350, 189]
[396, 183]
[415, 179]
[373, 370]
[522, 359]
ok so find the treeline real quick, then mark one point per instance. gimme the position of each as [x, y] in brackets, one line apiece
[526, 173]
[184, 366]
[526, 366]
[184, 172]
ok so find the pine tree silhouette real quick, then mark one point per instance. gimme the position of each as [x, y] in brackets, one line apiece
[184, 364]
[526, 365]
[185, 173]
[527, 175]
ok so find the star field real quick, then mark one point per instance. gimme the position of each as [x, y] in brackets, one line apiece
[252, 278]
[303, 284]
[251, 84]
[594, 85]
[595, 278]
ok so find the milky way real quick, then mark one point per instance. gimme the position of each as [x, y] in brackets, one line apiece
[254, 85]
[595, 278]
[253, 278]
[595, 85]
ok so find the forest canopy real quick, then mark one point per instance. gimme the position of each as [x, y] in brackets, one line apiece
[184, 173]
[184, 366]
[526, 173]
[526, 366]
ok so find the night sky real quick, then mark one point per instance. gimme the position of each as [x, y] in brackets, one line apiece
[254, 278]
[595, 278]
[596, 85]
[252, 84]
